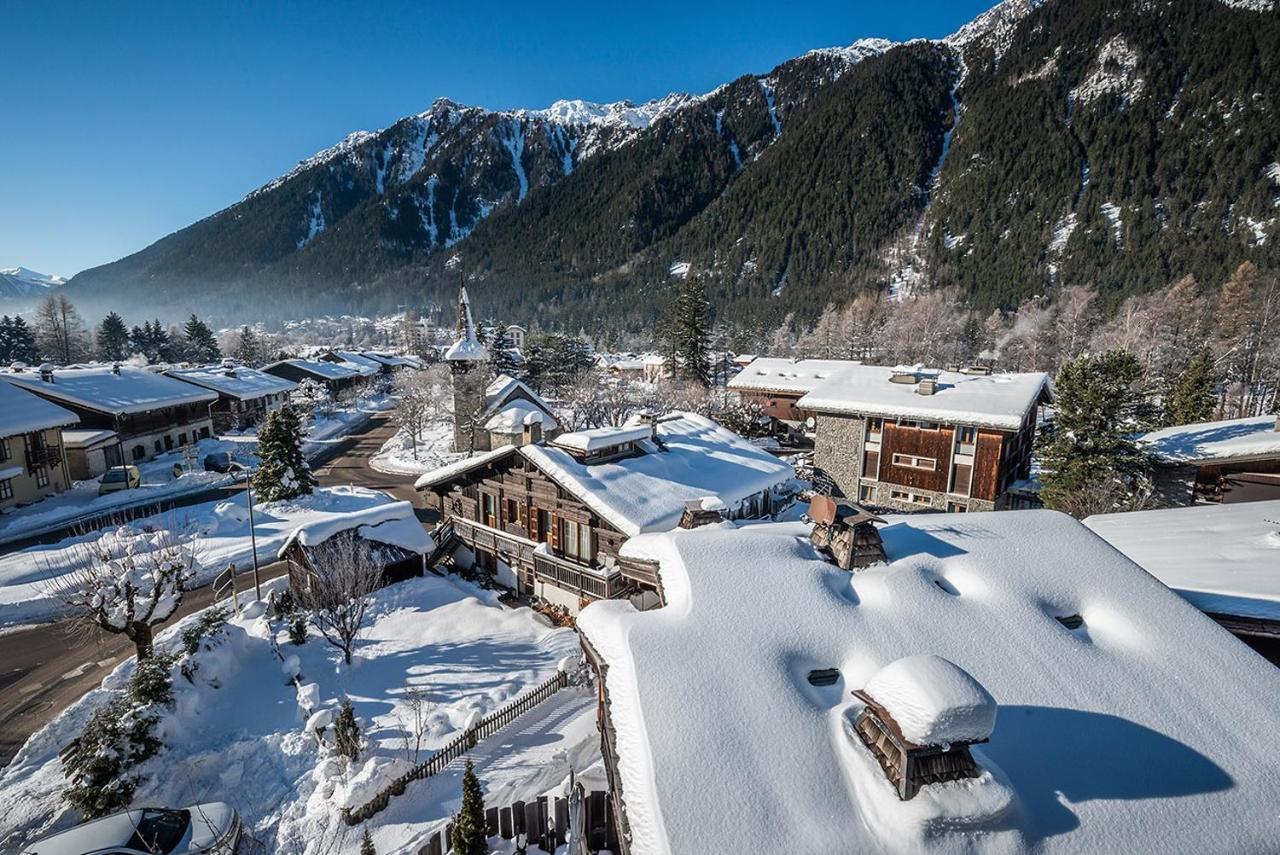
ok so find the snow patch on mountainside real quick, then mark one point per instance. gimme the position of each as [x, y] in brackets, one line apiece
[856, 52]
[1112, 74]
[994, 27]
[618, 114]
[1250, 5]
[1112, 211]
[315, 220]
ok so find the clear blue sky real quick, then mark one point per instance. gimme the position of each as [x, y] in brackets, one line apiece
[125, 121]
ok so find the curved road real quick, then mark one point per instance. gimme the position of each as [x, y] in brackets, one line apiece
[45, 668]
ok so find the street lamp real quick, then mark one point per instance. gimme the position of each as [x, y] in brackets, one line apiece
[253, 536]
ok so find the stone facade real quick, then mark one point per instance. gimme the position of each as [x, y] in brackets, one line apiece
[469, 380]
[837, 453]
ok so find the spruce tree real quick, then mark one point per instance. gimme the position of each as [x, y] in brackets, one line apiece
[6, 340]
[1089, 459]
[112, 338]
[200, 344]
[283, 472]
[24, 347]
[247, 348]
[346, 732]
[469, 834]
[366, 844]
[688, 332]
[1191, 399]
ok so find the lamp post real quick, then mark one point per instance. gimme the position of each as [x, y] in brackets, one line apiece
[253, 536]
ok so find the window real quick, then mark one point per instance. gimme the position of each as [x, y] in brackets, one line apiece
[871, 463]
[966, 435]
[42, 476]
[6, 490]
[575, 540]
[912, 423]
[875, 426]
[961, 477]
[489, 510]
[866, 493]
[956, 507]
[910, 498]
[159, 446]
[911, 461]
[513, 511]
[5, 453]
[182, 438]
[544, 525]
[138, 452]
[204, 433]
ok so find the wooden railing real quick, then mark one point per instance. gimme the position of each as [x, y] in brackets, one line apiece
[460, 745]
[48, 455]
[578, 580]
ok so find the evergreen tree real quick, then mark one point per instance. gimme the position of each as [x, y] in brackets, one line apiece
[1191, 399]
[688, 331]
[469, 834]
[1090, 461]
[366, 844]
[247, 350]
[112, 339]
[346, 732]
[200, 344]
[23, 347]
[6, 340]
[283, 472]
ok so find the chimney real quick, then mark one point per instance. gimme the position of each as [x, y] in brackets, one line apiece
[46, 372]
[532, 432]
[846, 533]
[927, 386]
[904, 374]
[115, 368]
[977, 369]
[703, 511]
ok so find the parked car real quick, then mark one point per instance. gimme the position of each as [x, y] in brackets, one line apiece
[119, 478]
[207, 829]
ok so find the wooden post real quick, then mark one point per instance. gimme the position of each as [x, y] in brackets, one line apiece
[517, 815]
[562, 821]
[532, 827]
[491, 822]
[505, 829]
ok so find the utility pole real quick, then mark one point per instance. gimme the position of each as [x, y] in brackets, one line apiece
[253, 534]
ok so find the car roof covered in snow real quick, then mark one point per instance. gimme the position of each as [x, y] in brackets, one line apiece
[1206, 442]
[798, 376]
[130, 390]
[235, 381]
[984, 400]
[23, 412]
[1146, 719]
[1225, 559]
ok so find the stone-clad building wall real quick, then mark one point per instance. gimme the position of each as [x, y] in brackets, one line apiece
[837, 453]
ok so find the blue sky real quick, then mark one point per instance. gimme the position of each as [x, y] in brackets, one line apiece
[125, 121]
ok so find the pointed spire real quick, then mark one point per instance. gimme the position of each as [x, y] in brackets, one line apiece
[466, 347]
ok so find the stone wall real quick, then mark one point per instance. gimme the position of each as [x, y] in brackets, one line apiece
[837, 452]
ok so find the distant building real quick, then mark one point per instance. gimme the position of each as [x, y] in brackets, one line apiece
[149, 412]
[1225, 462]
[656, 368]
[777, 385]
[365, 366]
[514, 337]
[33, 463]
[337, 377]
[246, 396]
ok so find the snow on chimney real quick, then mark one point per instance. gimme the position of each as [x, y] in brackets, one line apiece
[703, 511]
[846, 533]
[927, 386]
[531, 433]
[46, 372]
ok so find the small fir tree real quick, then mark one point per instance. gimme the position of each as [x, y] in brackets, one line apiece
[469, 833]
[112, 338]
[283, 472]
[366, 844]
[1191, 399]
[688, 331]
[346, 732]
[247, 350]
[1088, 449]
[199, 342]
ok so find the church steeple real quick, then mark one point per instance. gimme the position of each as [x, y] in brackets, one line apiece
[466, 347]
[468, 363]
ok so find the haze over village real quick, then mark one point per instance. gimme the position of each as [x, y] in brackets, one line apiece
[871, 448]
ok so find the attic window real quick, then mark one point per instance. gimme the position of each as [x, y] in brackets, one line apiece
[823, 677]
[1071, 621]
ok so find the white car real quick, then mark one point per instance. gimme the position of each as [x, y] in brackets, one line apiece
[212, 828]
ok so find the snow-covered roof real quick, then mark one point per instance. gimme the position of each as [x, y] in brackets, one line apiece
[235, 381]
[598, 438]
[512, 417]
[459, 467]
[1212, 441]
[467, 348]
[22, 412]
[647, 492]
[394, 524]
[103, 389]
[326, 370]
[86, 438]
[933, 700]
[1146, 720]
[985, 400]
[796, 376]
[1225, 559]
[391, 359]
[503, 389]
[358, 362]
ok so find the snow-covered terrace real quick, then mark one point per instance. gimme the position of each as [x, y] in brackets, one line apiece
[1212, 442]
[794, 376]
[117, 392]
[22, 412]
[237, 381]
[998, 401]
[1225, 559]
[1145, 720]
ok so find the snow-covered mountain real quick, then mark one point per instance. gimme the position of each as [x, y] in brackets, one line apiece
[19, 282]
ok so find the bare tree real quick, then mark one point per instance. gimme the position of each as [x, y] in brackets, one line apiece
[414, 720]
[126, 582]
[60, 331]
[414, 405]
[336, 589]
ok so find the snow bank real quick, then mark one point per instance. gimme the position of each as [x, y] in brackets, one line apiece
[933, 701]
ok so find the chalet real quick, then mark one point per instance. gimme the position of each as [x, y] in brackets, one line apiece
[509, 405]
[149, 412]
[32, 461]
[655, 368]
[393, 362]
[777, 385]
[1221, 462]
[514, 337]
[1223, 559]
[1004, 684]
[396, 541]
[245, 395]
[365, 366]
[909, 438]
[548, 518]
[336, 377]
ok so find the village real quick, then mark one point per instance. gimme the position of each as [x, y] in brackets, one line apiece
[374, 581]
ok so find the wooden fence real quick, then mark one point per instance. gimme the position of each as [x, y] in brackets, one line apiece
[583, 822]
[460, 745]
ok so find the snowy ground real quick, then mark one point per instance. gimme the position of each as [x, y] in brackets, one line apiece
[221, 529]
[236, 734]
[160, 482]
[434, 450]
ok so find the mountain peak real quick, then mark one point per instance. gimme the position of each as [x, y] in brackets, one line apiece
[24, 282]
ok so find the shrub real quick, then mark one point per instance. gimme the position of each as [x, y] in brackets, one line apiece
[346, 732]
[298, 630]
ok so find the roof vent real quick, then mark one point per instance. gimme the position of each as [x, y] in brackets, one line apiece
[927, 386]
[977, 369]
[905, 374]
[823, 677]
[1071, 621]
[922, 713]
[46, 372]
[700, 512]
[846, 533]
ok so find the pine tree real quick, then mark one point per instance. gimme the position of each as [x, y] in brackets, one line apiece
[366, 844]
[23, 348]
[200, 344]
[283, 472]
[1087, 452]
[688, 331]
[112, 338]
[247, 350]
[346, 732]
[1191, 399]
[469, 834]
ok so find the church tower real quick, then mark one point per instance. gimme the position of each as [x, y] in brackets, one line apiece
[468, 363]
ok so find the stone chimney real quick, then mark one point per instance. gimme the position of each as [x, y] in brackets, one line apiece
[532, 432]
[927, 386]
[845, 533]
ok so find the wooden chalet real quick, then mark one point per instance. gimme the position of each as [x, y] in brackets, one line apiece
[246, 396]
[396, 541]
[1237, 460]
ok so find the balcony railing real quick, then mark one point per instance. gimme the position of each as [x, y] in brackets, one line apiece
[50, 455]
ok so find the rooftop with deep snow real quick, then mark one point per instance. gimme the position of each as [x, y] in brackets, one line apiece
[1208, 442]
[773, 374]
[1104, 735]
[23, 412]
[120, 391]
[235, 381]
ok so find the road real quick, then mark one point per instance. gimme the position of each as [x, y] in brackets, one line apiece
[45, 668]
